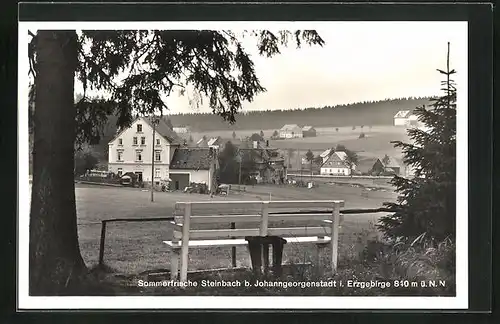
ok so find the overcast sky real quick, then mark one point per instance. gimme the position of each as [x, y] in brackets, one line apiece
[360, 61]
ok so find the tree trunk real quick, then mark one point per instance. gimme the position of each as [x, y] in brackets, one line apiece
[56, 264]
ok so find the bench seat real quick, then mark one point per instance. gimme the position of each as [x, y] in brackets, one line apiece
[235, 242]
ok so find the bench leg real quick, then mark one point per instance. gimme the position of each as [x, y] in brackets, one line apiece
[174, 264]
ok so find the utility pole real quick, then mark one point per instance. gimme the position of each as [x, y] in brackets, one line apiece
[155, 121]
[239, 173]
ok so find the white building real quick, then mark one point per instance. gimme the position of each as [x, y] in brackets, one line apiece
[401, 118]
[336, 164]
[193, 164]
[290, 131]
[132, 149]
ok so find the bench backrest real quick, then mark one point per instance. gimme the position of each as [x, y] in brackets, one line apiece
[212, 219]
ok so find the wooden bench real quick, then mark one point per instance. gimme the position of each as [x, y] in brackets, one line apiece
[260, 218]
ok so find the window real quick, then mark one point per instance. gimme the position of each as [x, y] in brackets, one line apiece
[157, 155]
[139, 128]
[138, 155]
[120, 141]
[157, 173]
[143, 140]
[157, 141]
[119, 155]
[120, 172]
[135, 140]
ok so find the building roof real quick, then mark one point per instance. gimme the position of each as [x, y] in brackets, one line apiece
[394, 162]
[308, 128]
[214, 141]
[162, 129]
[366, 165]
[326, 153]
[342, 155]
[192, 158]
[290, 127]
[402, 114]
[336, 157]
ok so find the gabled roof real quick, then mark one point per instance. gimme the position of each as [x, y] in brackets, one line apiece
[214, 141]
[393, 162]
[366, 165]
[165, 131]
[402, 114]
[162, 129]
[326, 153]
[341, 155]
[192, 158]
[307, 128]
[290, 127]
[336, 157]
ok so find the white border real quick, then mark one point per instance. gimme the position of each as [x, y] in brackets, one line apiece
[26, 302]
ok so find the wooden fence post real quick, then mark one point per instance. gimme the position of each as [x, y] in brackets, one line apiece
[185, 242]
[264, 218]
[335, 234]
[101, 246]
[233, 249]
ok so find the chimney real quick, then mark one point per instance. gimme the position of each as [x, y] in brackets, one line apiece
[255, 144]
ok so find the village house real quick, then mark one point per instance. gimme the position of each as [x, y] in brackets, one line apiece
[131, 151]
[270, 166]
[393, 166]
[290, 131]
[308, 131]
[401, 118]
[370, 166]
[193, 165]
[336, 165]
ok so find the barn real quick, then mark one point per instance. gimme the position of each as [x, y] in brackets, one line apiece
[308, 131]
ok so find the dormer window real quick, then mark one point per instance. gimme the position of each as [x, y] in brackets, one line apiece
[139, 128]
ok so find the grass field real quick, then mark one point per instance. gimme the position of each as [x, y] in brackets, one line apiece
[377, 141]
[136, 247]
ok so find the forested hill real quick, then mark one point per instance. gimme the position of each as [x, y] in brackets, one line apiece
[356, 114]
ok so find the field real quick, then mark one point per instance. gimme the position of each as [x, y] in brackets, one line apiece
[377, 141]
[135, 247]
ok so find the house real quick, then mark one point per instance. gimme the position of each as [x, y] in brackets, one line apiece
[290, 131]
[370, 166]
[336, 165]
[269, 165]
[401, 117]
[308, 131]
[394, 166]
[182, 129]
[193, 164]
[131, 150]
[215, 142]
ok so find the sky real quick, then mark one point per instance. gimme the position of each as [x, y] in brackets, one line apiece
[360, 61]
